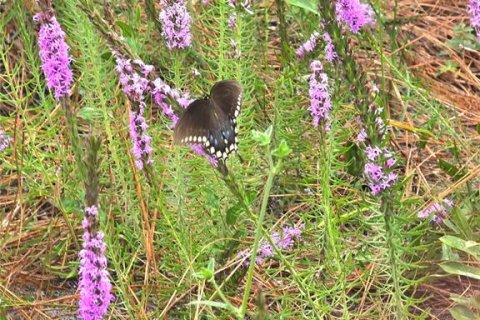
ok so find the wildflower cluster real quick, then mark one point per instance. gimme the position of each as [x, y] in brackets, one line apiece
[176, 24]
[54, 55]
[283, 241]
[354, 14]
[161, 92]
[437, 211]
[94, 285]
[474, 10]
[320, 100]
[4, 140]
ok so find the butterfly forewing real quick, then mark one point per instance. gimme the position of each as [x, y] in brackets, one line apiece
[227, 95]
[212, 121]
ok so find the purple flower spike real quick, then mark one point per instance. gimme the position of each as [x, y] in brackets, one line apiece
[330, 53]
[94, 285]
[54, 55]
[379, 169]
[4, 140]
[474, 10]
[308, 46]
[320, 100]
[354, 14]
[176, 24]
[142, 148]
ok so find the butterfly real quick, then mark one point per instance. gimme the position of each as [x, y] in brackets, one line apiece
[212, 120]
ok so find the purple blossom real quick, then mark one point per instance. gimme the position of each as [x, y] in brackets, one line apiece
[308, 46]
[54, 55]
[330, 53]
[142, 148]
[437, 211]
[162, 92]
[320, 100]
[378, 169]
[94, 285]
[135, 83]
[176, 24]
[283, 241]
[474, 10]
[4, 140]
[354, 14]
[362, 135]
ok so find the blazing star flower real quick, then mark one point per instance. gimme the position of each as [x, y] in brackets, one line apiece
[362, 135]
[54, 55]
[94, 285]
[4, 140]
[308, 46]
[135, 84]
[330, 53]
[283, 241]
[176, 24]
[200, 150]
[437, 211]
[162, 92]
[320, 100]
[474, 10]
[142, 148]
[354, 14]
[378, 169]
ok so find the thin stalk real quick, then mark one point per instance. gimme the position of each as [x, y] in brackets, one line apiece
[258, 231]
[387, 210]
[230, 307]
[283, 28]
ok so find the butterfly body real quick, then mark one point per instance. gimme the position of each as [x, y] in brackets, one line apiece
[212, 120]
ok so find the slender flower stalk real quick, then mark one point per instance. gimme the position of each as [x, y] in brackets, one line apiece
[176, 24]
[354, 14]
[54, 55]
[4, 140]
[474, 10]
[320, 99]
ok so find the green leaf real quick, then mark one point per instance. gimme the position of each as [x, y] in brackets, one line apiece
[263, 138]
[127, 30]
[90, 113]
[283, 150]
[308, 5]
[463, 313]
[233, 213]
[470, 247]
[452, 170]
[471, 302]
[461, 269]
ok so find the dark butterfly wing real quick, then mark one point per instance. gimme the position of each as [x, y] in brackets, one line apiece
[204, 123]
[227, 95]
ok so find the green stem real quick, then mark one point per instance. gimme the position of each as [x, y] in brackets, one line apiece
[258, 231]
[230, 307]
[387, 210]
